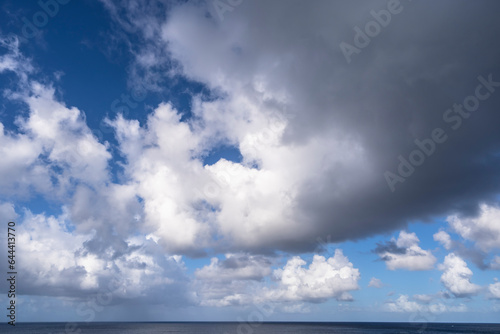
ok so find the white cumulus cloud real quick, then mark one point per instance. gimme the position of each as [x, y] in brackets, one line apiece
[405, 253]
[457, 276]
[483, 230]
[323, 279]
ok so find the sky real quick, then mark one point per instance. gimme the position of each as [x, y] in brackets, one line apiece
[251, 160]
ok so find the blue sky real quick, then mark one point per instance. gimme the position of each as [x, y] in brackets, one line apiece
[218, 160]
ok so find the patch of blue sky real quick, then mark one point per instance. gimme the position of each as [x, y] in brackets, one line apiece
[39, 204]
[10, 109]
[225, 151]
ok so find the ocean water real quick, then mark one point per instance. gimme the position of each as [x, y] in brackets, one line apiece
[255, 328]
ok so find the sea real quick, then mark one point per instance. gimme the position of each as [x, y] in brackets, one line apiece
[250, 328]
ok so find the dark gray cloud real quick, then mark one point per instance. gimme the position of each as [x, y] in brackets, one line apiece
[244, 261]
[397, 91]
[389, 247]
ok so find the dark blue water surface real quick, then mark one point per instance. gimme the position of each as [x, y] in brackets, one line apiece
[253, 328]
